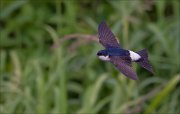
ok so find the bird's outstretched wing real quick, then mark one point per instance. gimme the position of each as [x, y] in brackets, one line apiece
[106, 37]
[124, 65]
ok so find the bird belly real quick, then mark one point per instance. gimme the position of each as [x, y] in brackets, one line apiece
[134, 56]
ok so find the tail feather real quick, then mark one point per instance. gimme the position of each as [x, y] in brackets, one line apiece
[144, 62]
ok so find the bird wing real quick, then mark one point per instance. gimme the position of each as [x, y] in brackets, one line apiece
[124, 65]
[106, 37]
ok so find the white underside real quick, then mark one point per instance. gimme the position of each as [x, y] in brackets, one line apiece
[134, 56]
[104, 58]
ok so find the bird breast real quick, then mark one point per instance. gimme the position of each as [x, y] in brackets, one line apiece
[104, 58]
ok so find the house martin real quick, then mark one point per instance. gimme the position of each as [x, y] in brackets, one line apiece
[118, 56]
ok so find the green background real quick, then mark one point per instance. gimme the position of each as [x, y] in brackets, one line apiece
[48, 61]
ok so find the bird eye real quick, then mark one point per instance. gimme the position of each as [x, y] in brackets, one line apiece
[99, 54]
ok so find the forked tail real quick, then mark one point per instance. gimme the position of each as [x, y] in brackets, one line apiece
[144, 62]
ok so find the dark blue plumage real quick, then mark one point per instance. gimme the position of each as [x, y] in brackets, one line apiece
[115, 52]
[121, 58]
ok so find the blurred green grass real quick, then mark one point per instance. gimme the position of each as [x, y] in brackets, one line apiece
[36, 78]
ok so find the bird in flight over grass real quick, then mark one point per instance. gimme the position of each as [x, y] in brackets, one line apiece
[118, 56]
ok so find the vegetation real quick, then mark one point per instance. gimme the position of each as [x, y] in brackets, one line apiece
[48, 60]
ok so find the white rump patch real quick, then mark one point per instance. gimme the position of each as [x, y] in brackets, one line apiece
[134, 56]
[104, 58]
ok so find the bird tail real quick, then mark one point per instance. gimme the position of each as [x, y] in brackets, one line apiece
[144, 62]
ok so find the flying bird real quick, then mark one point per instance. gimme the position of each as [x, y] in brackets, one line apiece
[118, 56]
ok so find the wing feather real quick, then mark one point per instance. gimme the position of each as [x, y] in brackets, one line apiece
[124, 65]
[106, 37]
